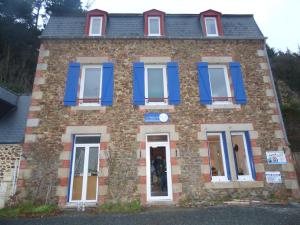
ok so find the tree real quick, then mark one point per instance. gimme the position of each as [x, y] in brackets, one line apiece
[63, 7]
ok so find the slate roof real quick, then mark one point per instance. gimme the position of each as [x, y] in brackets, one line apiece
[13, 123]
[181, 26]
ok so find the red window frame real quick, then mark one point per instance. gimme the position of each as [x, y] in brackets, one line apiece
[154, 13]
[95, 13]
[215, 14]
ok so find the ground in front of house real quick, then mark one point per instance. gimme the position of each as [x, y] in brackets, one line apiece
[224, 215]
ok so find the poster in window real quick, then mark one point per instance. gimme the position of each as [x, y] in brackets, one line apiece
[273, 177]
[276, 157]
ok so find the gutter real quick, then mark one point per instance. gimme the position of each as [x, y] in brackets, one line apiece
[276, 97]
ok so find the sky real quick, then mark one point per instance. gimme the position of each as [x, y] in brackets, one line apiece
[279, 20]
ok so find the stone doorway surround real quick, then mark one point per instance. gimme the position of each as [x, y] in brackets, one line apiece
[174, 154]
[65, 162]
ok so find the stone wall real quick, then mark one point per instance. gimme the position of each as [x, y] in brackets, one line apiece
[48, 120]
[9, 158]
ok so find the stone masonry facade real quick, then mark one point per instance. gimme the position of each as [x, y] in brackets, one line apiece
[45, 172]
[9, 161]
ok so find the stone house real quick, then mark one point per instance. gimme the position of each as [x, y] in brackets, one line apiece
[162, 108]
[13, 116]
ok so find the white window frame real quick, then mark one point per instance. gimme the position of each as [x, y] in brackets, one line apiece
[82, 80]
[216, 26]
[228, 90]
[159, 31]
[85, 169]
[91, 25]
[165, 144]
[164, 68]
[219, 178]
[242, 177]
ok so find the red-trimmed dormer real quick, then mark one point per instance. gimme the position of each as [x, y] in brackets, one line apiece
[211, 23]
[154, 23]
[95, 23]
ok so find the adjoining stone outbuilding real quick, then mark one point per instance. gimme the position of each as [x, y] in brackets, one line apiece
[172, 108]
[13, 117]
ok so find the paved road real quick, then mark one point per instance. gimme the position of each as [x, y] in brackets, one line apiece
[221, 215]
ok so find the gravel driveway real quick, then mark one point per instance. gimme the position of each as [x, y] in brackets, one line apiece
[221, 215]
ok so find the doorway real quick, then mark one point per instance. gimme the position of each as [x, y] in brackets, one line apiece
[159, 181]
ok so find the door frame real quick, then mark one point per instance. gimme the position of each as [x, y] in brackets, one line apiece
[85, 171]
[166, 144]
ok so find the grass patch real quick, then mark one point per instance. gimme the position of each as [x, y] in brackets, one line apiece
[28, 209]
[129, 207]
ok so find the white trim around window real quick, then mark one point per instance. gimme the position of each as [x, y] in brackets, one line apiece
[82, 81]
[227, 83]
[157, 18]
[219, 178]
[214, 19]
[92, 19]
[243, 177]
[164, 69]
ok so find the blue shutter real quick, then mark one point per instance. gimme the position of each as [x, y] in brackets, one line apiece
[204, 85]
[72, 84]
[226, 156]
[107, 94]
[250, 155]
[138, 83]
[238, 84]
[173, 83]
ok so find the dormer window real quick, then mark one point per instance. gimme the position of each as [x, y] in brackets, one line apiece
[211, 26]
[95, 26]
[211, 23]
[154, 23]
[154, 26]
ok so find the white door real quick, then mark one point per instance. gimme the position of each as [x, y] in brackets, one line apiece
[159, 179]
[84, 182]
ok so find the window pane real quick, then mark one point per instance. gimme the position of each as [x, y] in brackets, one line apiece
[217, 82]
[78, 173]
[92, 174]
[92, 83]
[96, 24]
[216, 155]
[240, 154]
[154, 26]
[155, 84]
[211, 26]
[87, 139]
[154, 138]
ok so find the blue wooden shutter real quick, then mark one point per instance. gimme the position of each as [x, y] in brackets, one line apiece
[226, 155]
[107, 94]
[173, 83]
[138, 83]
[238, 84]
[72, 84]
[250, 155]
[204, 85]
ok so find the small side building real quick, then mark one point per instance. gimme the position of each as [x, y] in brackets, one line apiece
[13, 115]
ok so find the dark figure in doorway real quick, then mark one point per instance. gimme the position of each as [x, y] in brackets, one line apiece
[163, 176]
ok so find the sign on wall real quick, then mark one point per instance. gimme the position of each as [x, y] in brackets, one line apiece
[156, 117]
[273, 177]
[276, 157]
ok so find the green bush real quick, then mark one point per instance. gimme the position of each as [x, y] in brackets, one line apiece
[129, 207]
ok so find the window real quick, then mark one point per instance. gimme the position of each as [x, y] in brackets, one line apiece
[84, 179]
[95, 26]
[90, 86]
[241, 157]
[156, 85]
[219, 84]
[217, 157]
[154, 26]
[211, 26]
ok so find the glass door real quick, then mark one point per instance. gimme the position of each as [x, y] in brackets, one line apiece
[159, 182]
[84, 180]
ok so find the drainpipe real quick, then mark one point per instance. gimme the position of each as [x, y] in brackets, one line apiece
[276, 97]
